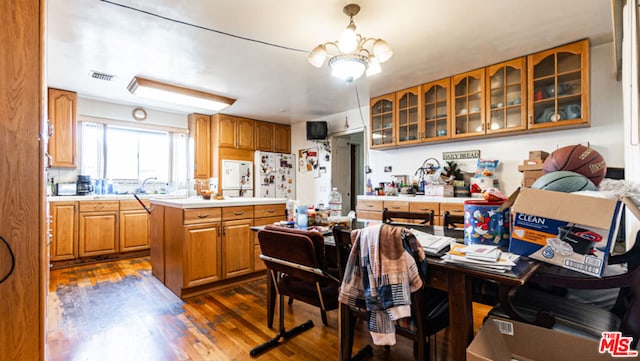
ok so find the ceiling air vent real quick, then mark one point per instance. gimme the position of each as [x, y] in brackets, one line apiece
[101, 76]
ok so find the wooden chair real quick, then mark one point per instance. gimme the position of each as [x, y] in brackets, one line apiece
[429, 310]
[452, 221]
[538, 305]
[294, 270]
[425, 218]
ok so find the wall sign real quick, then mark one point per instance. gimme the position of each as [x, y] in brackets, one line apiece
[464, 154]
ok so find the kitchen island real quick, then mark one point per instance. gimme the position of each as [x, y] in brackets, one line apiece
[198, 245]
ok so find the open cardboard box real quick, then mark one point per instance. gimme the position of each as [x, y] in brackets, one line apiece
[503, 339]
[568, 230]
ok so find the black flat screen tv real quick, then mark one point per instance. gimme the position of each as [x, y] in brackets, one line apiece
[317, 130]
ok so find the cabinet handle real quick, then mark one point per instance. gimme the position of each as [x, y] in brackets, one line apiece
[49, 128]
[395, 207]
[270, 210]
[203, 215]
[224, 231]
[369, 205]
[530, 119]
[238, 213]
[100, 206]
[219, 232]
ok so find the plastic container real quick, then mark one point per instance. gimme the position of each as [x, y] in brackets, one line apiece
[482, 224]
[335, 203]
[302, 217]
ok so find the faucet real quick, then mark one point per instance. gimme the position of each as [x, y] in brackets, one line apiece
[141, 189]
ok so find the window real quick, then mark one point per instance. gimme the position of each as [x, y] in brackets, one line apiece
[118, 152]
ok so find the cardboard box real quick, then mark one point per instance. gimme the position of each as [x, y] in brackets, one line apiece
[568, 230]
[502, 339]
[439, 190]
[538, 155]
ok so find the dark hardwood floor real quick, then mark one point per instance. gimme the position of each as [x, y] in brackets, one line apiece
[119, 311]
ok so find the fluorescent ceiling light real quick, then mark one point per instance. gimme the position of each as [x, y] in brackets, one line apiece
[169, 93]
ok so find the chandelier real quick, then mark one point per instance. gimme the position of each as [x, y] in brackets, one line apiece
[355, 53]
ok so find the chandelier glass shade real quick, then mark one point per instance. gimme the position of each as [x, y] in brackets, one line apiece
[354, 55]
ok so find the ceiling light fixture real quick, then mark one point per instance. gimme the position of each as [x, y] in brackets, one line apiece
[353, 58]
[153, 89]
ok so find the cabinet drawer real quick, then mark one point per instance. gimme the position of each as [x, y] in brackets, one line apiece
[438, 279]
[133, 205]
[269, 210]
[230, 213]
[99, 206]
[369, 215]
[369, 205]
[453, 208]
[424, 207]
[202, 215]
[399, 206]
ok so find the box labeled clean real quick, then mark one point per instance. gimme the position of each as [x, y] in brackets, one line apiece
[568, 230]
[503, 339]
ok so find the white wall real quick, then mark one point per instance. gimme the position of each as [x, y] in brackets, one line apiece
[606, 135]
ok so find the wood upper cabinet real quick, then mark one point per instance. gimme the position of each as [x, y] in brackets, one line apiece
[382, 110]
[64, 229]
[234, 132]
[558, 86]
[408, 113]
[506, 96]
[467, 108]
[264, 136]
[200, 135]
[281, 138]
[98, 227]
[436, 102]
[62, 123]
[271, 137]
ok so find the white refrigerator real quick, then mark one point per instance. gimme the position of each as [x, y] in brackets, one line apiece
[275, 175]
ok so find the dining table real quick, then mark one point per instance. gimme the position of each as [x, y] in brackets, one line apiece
[455, 279]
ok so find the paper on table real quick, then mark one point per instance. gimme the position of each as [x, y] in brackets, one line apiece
[432, 243]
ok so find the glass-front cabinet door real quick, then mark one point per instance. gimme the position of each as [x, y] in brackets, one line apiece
[559, 86]
[506, 103]
[436, 99]
[468, 104]
[408, 117]
[382, 112]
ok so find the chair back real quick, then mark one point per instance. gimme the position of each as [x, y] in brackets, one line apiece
[342, 238]
[291, 252]
[452, 221]
[425, 218]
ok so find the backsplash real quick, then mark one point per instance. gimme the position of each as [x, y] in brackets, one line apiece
[64, 175]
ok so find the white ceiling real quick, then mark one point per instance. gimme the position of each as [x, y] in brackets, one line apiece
[431, 39]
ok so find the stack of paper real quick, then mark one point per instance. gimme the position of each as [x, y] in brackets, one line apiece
[433, 245]
[488, 258]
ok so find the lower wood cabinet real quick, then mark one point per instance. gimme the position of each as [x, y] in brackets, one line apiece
[64, 231]
[98, 233]
[134, 230]
[237, 247]
[201, 254]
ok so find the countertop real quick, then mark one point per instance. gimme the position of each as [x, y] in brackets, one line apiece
[109, 197]
[188, 203]
[418, 199]
[174, 200]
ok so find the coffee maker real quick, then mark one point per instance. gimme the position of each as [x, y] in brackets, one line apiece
[84, 186]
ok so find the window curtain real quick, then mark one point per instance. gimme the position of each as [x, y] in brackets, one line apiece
[179, 157]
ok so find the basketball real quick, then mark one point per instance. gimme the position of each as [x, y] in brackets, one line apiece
[564, 181]
[579, 159]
